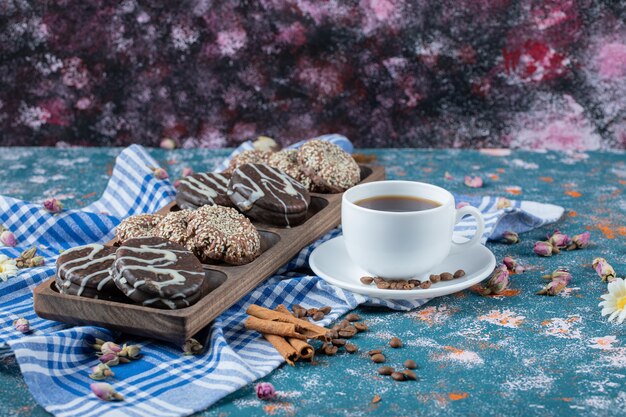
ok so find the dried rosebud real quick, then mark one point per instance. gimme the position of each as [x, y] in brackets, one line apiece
[448, 176]
[498, 281]
[580, 241]
[561, 274]
[503, 203]
[130, 351]
[110, 347]
[35, 262]
[22, 325]
[187, 171]
[265, 143]
[100, 372]
[8, 239]
[105, 392]
[160, 174]
[168, 144]
[52, 205]
[98, 344]
[192, 347]
[544, 249]
[603, 269]
[265, 391]
[559, 240]
[554, 287]
[29, 253]
[510, 263]
[462, 204]
[110, 359]
[510, 237]
[473, 182]
[2, 228]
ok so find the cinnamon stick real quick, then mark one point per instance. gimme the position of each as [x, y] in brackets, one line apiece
[312, 331]
[305, 351]
[275, 328]
[286, 349]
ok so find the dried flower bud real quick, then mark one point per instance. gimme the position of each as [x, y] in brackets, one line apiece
[2, 228]
[265, 391]
[603, 269]
[503, 203]
[448, 176]
[510, 237]
[510, 263]
[22, 325]
[110, 359]
[265, 143]
[498, 281]
[29, 253]
[52, 205]
[559, 240]
[8, 239]
[561, 274]
[187, 171]
[473, 182]
[544, 249]
[168, 143]
[35, 262]
[98, 344]
[160, 173]
[462, 204]
[192, 347]
[554, 287]
[580, 241]
[110, 347]
[100, 372]
[105, 392]
[130, 351]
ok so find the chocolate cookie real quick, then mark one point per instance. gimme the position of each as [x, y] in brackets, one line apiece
[158, 267]
[173, 226]
[221, 234]
[87, 268]
[287, 161]
[248, 157]
[69, 288]
[138, 225]
[269, 195]
[200, 189]
[330, 168]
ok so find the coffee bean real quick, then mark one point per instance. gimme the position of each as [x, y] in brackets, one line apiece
[410, 364]
[331, 350]
[395, 342]
[338, 342]
[434, 278]
[408, 374]
[353, 317]
[333, 333]
[378, 279]
[318, 316]
[384, 285]
[398, 376]
[446, 276]
[393, 285]
[298, 306]
[350, 348]
[414, 281]
[425, 285]
[311, 311]
[409, 286]
[386, 370]
[326, 309]
[361, 327]
[347, 332]
[367, 280]
[374, 352]
[299, 313]
[322, 348]
[378, 358]
[458, 274]
[344, 323]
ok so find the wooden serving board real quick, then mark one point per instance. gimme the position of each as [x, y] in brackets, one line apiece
[224, 284]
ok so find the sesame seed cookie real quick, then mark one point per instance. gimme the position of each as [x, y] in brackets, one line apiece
[173, 226]
[251, 156]
[328, 166]
[217, 233]
[287, 161]
[204, 188]
[137, 226]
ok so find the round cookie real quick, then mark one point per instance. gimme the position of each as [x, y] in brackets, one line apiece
[269, 195]
[69, 288]
[204, 188]
[137, 225]
[158, 267]
[217, 233]
[251, 156]
[287, 161]
[330, 168]
[173, 226]
[87, 267]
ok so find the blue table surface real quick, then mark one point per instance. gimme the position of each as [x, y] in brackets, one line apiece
[517, 354]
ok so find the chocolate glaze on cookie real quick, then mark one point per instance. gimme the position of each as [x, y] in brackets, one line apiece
[204, 188]
[87, 268]
[269, 195]
[158, 267]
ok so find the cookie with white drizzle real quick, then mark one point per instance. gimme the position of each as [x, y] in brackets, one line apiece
[174, 226]
[69, 288]
[269, 195]
[87, 268]
[138, 225]
[204, 188]
[329, 167]
[287, 161]
[221, 234]
[158, 267]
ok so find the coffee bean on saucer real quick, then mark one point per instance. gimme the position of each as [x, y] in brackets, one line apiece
[338, 342]
[361, 327]
[318, 316]
[434, 278]
[446, 276]
[425, 285]
[398, 376]
[378, 358]
[350, 348]
[374, 352]
[410, 364]
[378, 280]
[458, 274]
[326, 309]
[384, 285]
[385, 370]
[409, 286]
[353, 317]
[367, 280]
[408, 374]
[415, 282]
[395, 342]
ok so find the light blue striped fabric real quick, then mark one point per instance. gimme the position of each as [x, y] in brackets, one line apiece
[56, 359]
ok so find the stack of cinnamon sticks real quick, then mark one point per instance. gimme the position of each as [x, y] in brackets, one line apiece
[287, 333]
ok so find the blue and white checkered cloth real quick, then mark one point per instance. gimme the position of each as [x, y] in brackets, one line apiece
[55, 359]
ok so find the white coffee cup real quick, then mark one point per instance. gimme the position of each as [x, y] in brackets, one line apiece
[403, 245]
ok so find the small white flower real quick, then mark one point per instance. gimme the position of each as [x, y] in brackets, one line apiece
[615, 301]
[7, 267]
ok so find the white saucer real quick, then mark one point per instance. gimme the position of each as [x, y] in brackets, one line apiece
[330, 261]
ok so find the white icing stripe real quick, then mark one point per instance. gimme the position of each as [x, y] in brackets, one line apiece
[205, 189]
[85, 262]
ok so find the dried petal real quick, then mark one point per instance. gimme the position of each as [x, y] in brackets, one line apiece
[544, 249]
[105, 392]
[168, 143]
[559, 240]
[52, 205]
[603, 269]
[8, 239]
[498, 281]
[265, 391]
[192, 347]
[510, 237]
[473, 182]
[554, 287]
[22, 325]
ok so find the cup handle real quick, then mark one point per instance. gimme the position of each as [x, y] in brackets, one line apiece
[458, 247]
